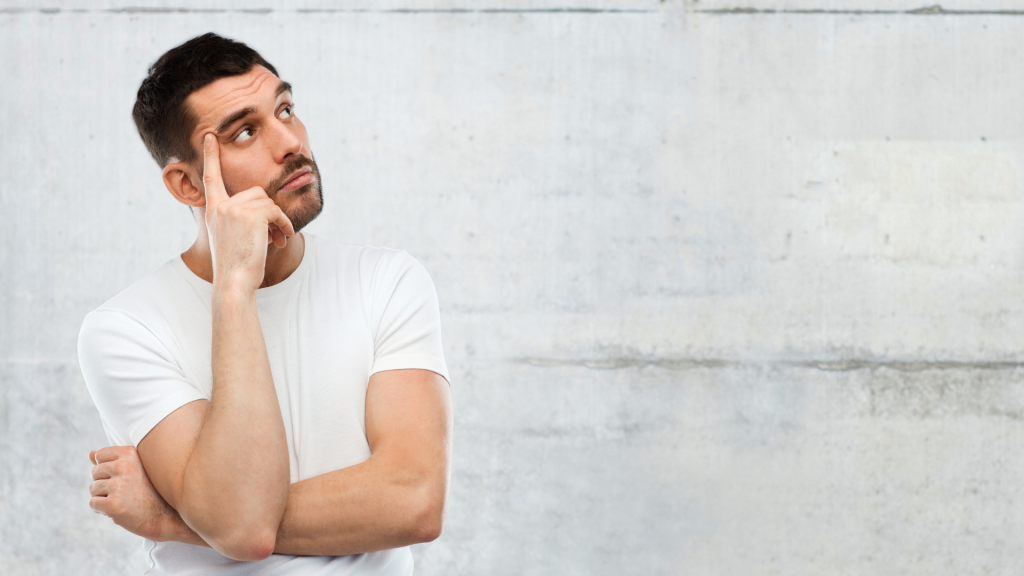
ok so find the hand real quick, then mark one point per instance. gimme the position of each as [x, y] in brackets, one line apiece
[240, 226]
[122, 490]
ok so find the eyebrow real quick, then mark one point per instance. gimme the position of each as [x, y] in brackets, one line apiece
[281, 89]
[235, 118]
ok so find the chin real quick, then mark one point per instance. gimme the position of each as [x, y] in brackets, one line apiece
[305, 204]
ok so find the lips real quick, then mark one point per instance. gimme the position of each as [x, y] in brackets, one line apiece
[301, 177]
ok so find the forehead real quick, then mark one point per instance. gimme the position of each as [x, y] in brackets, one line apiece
[217, 100]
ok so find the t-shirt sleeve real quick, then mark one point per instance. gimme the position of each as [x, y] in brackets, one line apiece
[405, 318]
[131, 376]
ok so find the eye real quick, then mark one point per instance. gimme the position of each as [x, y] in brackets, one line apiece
[286, 112]
[245, 134]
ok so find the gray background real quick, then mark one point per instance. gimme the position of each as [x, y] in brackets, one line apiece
[727, 287]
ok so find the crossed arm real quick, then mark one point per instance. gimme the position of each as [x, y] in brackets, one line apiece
[395, 498]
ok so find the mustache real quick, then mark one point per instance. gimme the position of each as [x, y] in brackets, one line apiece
[296, 162]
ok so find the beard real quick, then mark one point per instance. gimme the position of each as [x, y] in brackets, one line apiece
[307, 202]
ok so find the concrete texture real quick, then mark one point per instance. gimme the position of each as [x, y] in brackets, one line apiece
[726, 287]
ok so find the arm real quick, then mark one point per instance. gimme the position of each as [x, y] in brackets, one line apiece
[223, 464]
[122, 490]
[233, 486]
[395, 498]
[229, 480]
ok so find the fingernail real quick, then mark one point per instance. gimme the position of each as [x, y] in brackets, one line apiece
[207, 139]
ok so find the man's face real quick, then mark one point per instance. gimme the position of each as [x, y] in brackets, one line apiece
[262, 142]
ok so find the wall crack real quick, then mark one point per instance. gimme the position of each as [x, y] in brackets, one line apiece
[933, 10]
[827, 365]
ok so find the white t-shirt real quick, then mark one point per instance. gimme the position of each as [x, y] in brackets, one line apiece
[345, 313]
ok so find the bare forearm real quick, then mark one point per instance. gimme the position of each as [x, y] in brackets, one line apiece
[176, 530]
[363, 508]
[340, 513]
[236, 480]
[397, 496]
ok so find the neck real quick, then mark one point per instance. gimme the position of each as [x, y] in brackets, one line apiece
[281, 262]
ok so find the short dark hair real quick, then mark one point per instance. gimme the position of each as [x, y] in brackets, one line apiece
[161, 115]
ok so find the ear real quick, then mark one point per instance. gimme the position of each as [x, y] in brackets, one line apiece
[183, 182]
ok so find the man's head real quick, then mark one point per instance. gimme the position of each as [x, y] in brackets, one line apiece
[215, 85]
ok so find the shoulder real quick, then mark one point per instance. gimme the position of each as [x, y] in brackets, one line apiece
[142, 310]
[153, 290]
[375, 266]
[367, 257]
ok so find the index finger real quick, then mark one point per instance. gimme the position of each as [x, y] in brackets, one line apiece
[109, 453]
[212, 181]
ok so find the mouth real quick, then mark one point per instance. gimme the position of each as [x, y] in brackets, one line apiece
[297, 180]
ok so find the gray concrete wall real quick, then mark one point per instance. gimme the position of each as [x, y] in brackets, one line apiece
[726, 287]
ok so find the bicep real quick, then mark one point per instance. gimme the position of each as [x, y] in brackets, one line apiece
[409, 417]
[166, 449]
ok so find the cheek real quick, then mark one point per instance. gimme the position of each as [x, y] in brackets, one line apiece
[243, 173]
[301, 131]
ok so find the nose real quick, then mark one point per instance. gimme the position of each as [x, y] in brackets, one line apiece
[285, 142]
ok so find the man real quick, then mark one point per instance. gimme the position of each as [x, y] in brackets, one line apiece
[277, 403]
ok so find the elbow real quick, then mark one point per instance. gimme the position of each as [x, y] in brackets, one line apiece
[236, 535]
[428, 523]
[428, 531]
[248, 545]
